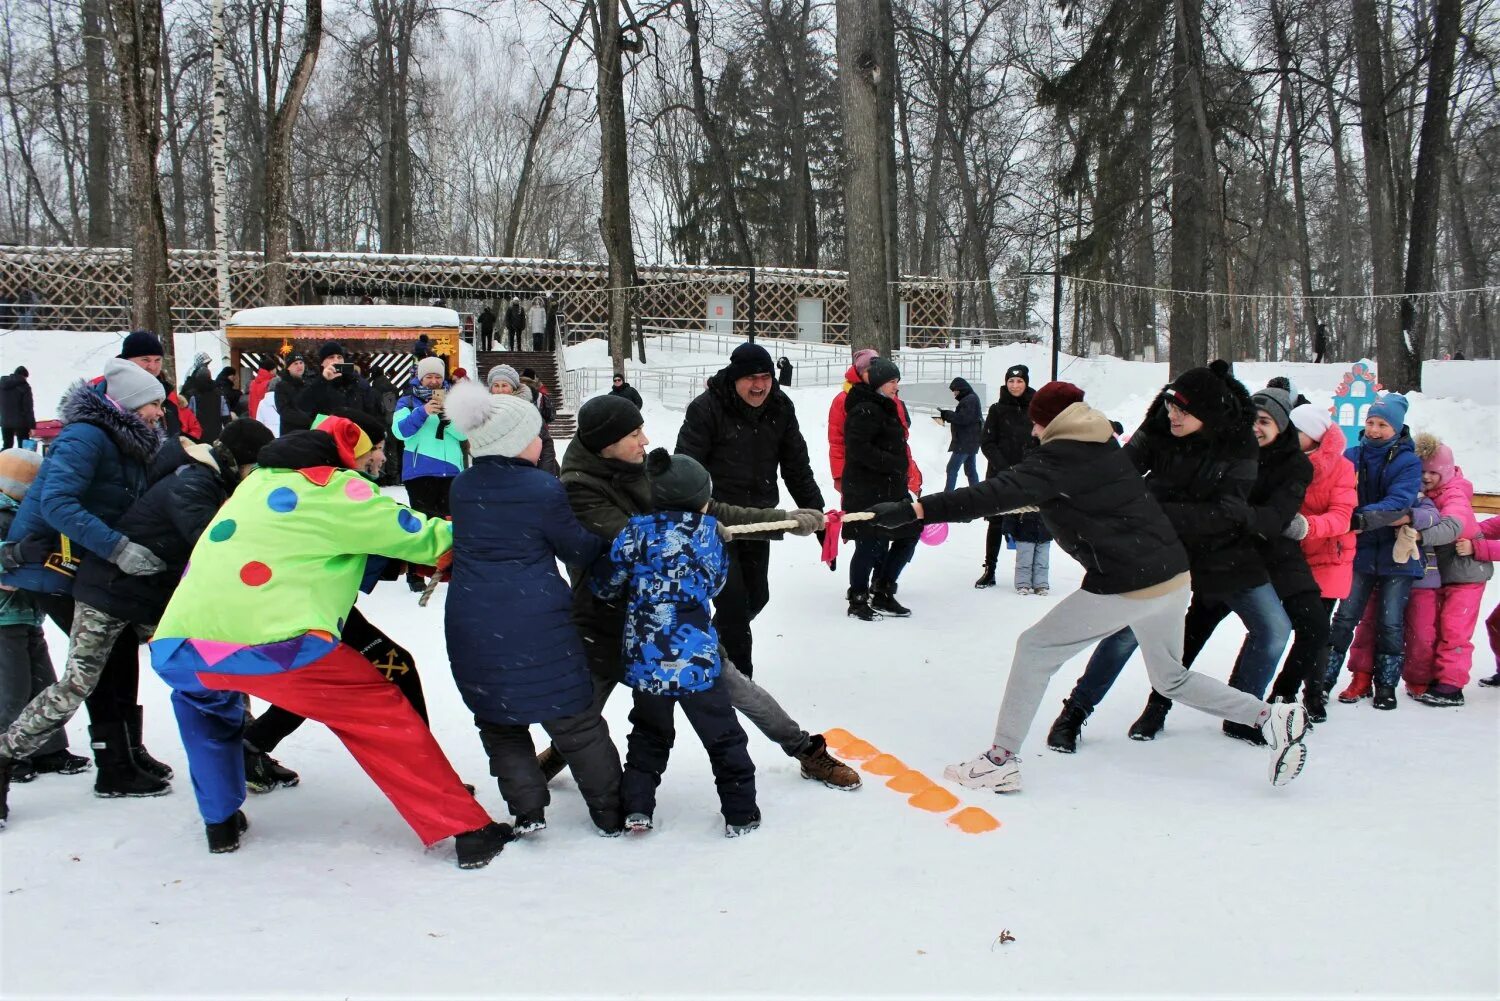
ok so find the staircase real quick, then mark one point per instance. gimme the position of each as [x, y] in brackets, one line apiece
[545, 364]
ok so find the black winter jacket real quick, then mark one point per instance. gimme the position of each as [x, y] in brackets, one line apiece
[874, 460]
[1092, 499]
[289, 391]
[963, 420]
[742, 447]
[1197, 480]
[187, 490]
[323, 396]
[1282, 482]
[1005, 440]
[626, 390]
[605, 494]
[17, 409]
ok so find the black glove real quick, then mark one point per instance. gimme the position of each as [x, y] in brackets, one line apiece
[1236, 509]
[894, 514]
[33, 549]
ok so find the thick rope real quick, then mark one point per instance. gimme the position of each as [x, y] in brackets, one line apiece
[786, 526]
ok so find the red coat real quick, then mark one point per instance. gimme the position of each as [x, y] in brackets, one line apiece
[1330, 502]
[836, 436]
[258, 387]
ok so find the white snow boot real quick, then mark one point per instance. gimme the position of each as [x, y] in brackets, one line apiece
[984, 773]
[1284, 731]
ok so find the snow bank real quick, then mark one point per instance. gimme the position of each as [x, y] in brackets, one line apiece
[345, 316]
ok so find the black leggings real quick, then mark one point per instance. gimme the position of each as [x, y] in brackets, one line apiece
[1310, 613]
[392, 660]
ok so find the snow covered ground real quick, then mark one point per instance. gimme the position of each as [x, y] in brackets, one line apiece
[1166, 868]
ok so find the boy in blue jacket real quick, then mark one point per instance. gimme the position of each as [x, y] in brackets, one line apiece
[1390, 477]
[670, 564]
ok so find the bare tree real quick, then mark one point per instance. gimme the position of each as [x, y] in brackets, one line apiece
[278, 178]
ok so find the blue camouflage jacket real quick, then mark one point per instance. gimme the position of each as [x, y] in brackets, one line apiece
[669, 566]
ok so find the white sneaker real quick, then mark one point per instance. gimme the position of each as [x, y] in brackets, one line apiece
[1284, 731]
[1023, 589]
[982, 773]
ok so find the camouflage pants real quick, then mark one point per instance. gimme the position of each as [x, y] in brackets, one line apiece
[93, 635]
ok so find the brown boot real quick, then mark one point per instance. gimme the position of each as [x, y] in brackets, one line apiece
[818, 764]
[551, 763]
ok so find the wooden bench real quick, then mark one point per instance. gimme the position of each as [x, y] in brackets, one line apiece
[1487, 503]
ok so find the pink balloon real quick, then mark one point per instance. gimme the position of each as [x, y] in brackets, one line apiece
[935, 533]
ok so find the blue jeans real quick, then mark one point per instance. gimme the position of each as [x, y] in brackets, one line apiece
[1267, 631]
[881, 559]
[1390, 621]
[969, 462]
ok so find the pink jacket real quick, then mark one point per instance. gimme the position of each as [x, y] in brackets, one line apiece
[1455, 503]
[1328, 506]
[1487, 546]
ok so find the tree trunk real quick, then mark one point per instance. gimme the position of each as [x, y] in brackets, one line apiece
[137, 31]
[96, 86]
[864, 85]
[1294, 112]
[1475, 306]
[729, 205]
[614, 223]
[1427, 191]
[1191, 194]
[1394, 357]
[534, 139]
[279, 155]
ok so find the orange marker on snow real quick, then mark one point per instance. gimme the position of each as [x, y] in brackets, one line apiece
[910, 781]
[884, 764]
[935, 799]
[973, 820]
[837, 738]
[858, 750]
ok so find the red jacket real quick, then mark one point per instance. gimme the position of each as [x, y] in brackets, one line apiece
[258, 387]
[1330, 502]
[836, 436]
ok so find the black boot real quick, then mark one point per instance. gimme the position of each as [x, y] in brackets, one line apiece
[609, 823]
[986, 579]
[476, 848]
[5, 767]
[22, 770]
[225, 835]
[1151, 721]
[62, 762]
[859, 606]
[415, 583]
[115, 771]
[264, 773]
[1064, 733]
[143, 760]
[1315, 701]
[1385, 696]
[883, 599]
[530, 822]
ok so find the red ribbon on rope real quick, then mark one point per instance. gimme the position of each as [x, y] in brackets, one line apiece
[832, 521]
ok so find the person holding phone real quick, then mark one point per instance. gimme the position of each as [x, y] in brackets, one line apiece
[336, 386]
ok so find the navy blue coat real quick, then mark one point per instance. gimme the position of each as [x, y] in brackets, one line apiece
[964, 421]
[515, 654]
[93, 472]
[1390, 475]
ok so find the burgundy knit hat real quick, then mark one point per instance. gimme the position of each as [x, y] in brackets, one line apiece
[1051, 400]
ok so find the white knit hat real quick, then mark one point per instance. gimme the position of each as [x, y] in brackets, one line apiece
[429, 366]
[131, 386]
[494, 425]
[1311, 420]
[504, 373]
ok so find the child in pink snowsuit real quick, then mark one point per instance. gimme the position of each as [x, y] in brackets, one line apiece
[1440, 620]
[1487, 548]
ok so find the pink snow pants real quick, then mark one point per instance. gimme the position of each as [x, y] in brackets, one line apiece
[1440, 624]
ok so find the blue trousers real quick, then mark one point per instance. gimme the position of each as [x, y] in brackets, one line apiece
[213, 726]
[1267, 630]
[880, 559]
[970, 463]
[1392, 593]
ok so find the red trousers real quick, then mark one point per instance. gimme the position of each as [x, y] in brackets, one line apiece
[343, 691]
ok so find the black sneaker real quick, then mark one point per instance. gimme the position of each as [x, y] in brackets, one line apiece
[1443, 696]
[1151, 721]
[22, 770]
[62, 762]
[476, 848]
[224, 836]
[1249, 734]
[986, 579]
[859, 606]
[1064, 733]
[1315, 701]
[1385, 696]
[883, 600]
[264, 773]
[740, 828]
[529, 823]
[1493, 681]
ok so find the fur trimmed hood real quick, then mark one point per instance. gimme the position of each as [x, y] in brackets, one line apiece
[86, 404]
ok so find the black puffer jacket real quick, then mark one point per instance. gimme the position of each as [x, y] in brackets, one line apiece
[1284, 476]
[289, 389]
[874, 460]
[744, 447]
[1005, 441]
[963, 420]
[17, 409]
[605, 494]
[1198, 480]
[188, 489]
[1092, 499]
[324, 396]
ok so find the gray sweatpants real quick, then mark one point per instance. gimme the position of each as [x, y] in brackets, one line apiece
[1082, 619]
[1033, 562]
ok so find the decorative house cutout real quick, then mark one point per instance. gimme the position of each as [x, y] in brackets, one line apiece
[1353, 398]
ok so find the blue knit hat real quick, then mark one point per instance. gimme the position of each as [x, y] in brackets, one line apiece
[1390, 408]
